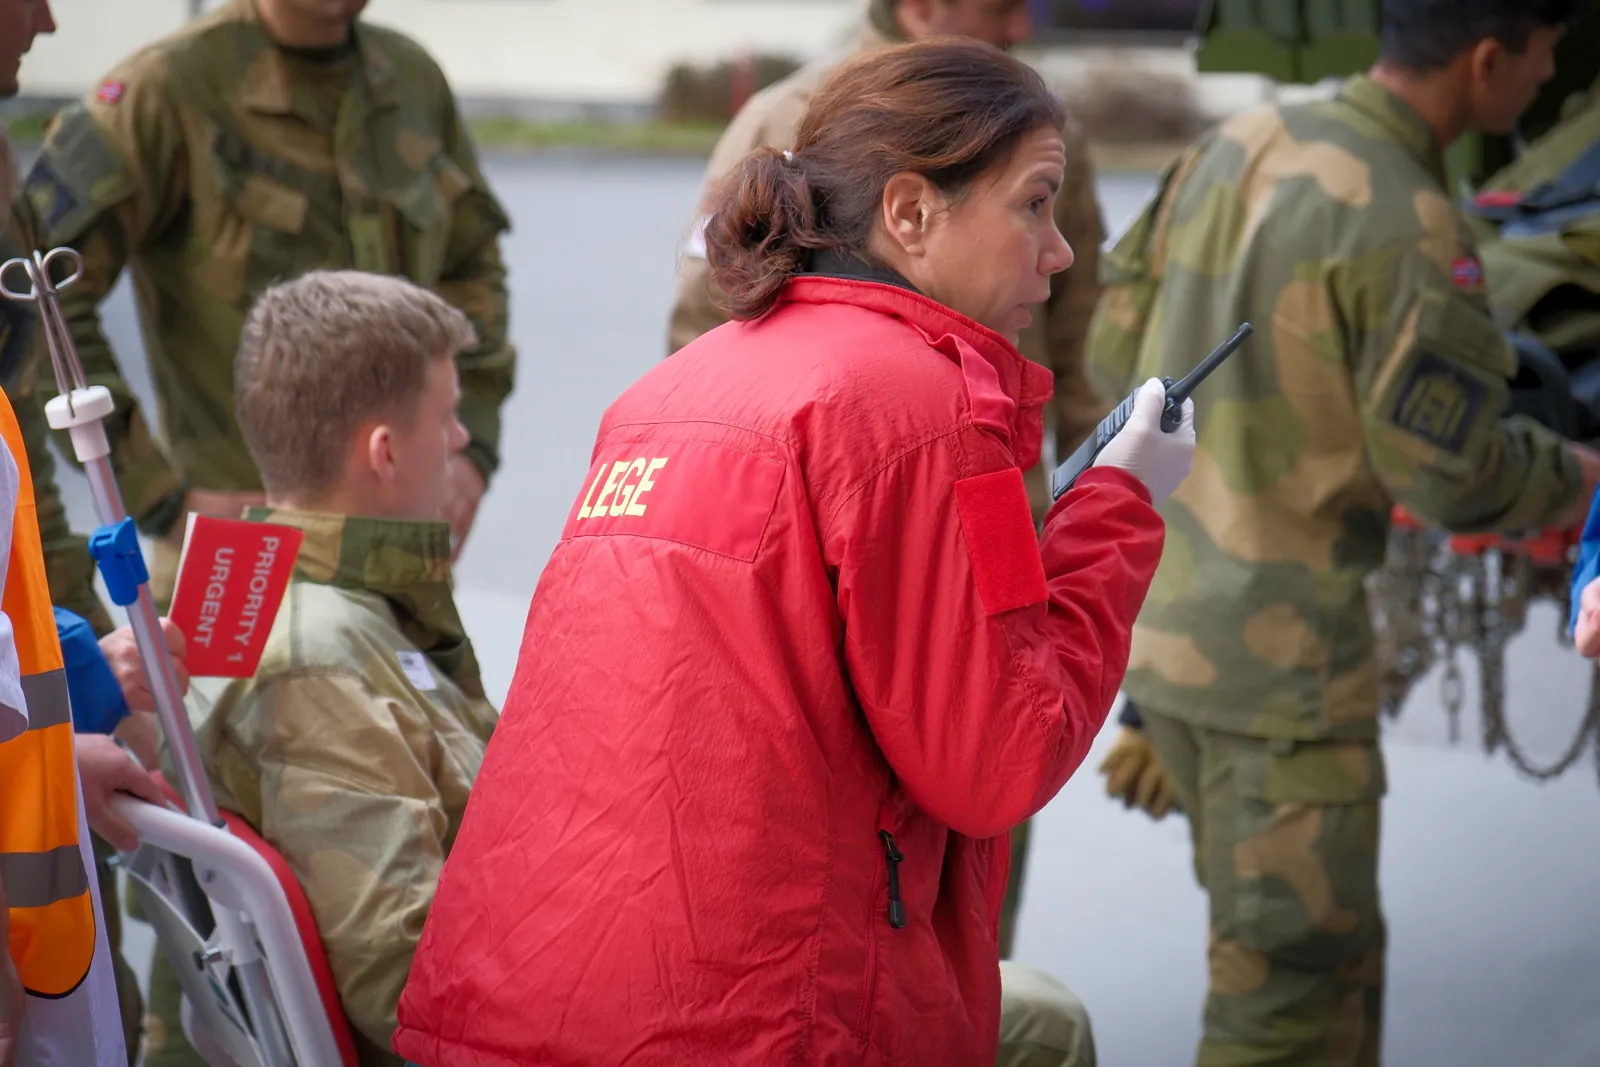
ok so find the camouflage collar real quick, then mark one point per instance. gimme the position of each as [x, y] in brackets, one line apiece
[406, 563]
[1398, 119]
[266, 88]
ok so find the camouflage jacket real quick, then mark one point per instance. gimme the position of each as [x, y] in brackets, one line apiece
[1561, 262]
[213, 163]
[354, 747]
[1055, 339]
[66, 555]
[1375, 376]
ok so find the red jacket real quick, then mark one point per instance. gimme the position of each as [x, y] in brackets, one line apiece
[795, 669]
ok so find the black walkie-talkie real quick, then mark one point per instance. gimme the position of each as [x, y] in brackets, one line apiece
[1171, 414]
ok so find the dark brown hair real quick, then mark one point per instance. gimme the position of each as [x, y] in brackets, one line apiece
[947, 108]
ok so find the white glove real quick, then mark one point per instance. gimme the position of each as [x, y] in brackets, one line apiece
[1160, 460]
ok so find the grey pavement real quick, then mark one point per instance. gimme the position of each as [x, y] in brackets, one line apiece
[1491, 883]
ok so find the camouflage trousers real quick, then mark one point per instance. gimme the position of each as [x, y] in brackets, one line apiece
[1013, 898]
[165, 1042]
[1286, 847]
[129, 999]
[1041, 1023]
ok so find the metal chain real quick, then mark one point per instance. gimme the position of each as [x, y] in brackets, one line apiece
[1427, 602]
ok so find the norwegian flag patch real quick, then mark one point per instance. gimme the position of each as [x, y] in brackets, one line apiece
[1467, 273]
[110, 92]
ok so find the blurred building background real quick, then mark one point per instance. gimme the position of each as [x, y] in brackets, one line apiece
[612, 59]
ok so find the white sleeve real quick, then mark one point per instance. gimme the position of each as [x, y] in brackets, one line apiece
[13, 706]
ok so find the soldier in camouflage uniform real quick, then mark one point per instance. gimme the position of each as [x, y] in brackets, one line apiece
[1544, 277]
[265, 139]
[354, 746]
[68, 566]
[1376, 376]
[1056, 337]
[66, 555]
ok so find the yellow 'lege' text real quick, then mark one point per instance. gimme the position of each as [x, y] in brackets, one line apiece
[626, 482]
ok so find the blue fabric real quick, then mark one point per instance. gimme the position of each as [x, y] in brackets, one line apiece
[1588, 567]
[97, 702]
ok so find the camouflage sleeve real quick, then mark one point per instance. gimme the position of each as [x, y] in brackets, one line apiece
[109, 177]
[1073, 296]
[356, 814]
[474, 280]
[696, 308]
[1130, 277]
[1433, 374]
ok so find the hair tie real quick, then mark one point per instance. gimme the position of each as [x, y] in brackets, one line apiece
[788, 156]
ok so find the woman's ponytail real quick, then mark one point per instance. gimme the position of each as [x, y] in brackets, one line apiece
[947, 108]
[762, 224]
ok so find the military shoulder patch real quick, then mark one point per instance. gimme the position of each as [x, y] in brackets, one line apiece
[51, 197]
[1439, 402]
[110, 92]
[1467, 273]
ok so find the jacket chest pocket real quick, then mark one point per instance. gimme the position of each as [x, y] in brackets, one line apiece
[252, 229]
[423, 208]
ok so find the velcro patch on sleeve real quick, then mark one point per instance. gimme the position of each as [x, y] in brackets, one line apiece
[1439, 402]
[1001, 540]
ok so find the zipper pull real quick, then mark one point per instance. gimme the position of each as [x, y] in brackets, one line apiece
[897, 908]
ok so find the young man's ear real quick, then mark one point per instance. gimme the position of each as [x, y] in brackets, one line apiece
[1484, 60]
[376, 443]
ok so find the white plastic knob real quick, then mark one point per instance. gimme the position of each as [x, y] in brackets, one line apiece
[82, 414]
[86, 405]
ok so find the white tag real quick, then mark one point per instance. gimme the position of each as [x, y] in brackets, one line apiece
[415, 664]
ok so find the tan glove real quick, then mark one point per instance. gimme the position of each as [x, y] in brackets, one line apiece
[1136, 777]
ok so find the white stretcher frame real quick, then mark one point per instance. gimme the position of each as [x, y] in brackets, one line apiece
[235, 876]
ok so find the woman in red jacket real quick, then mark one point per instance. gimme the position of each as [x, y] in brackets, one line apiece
[800, 662]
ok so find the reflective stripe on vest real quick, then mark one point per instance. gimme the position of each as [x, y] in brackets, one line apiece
[46, 885]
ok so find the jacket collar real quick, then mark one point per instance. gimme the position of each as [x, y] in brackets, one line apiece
[1005, 391]
[1397, 119]
[833, 264]
[406, 563]
[267, 87]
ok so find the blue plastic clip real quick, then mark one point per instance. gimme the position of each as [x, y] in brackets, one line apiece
[116, 550]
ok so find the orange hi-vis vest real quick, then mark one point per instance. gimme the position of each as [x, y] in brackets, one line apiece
[41, 864]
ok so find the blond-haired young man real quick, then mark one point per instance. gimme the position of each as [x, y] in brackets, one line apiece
[354, 746]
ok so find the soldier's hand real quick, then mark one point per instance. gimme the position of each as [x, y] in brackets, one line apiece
[464, 489]
[1589, 463]
[1136, 777]
[1588, 630]
[105, 770]
[122, 653]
